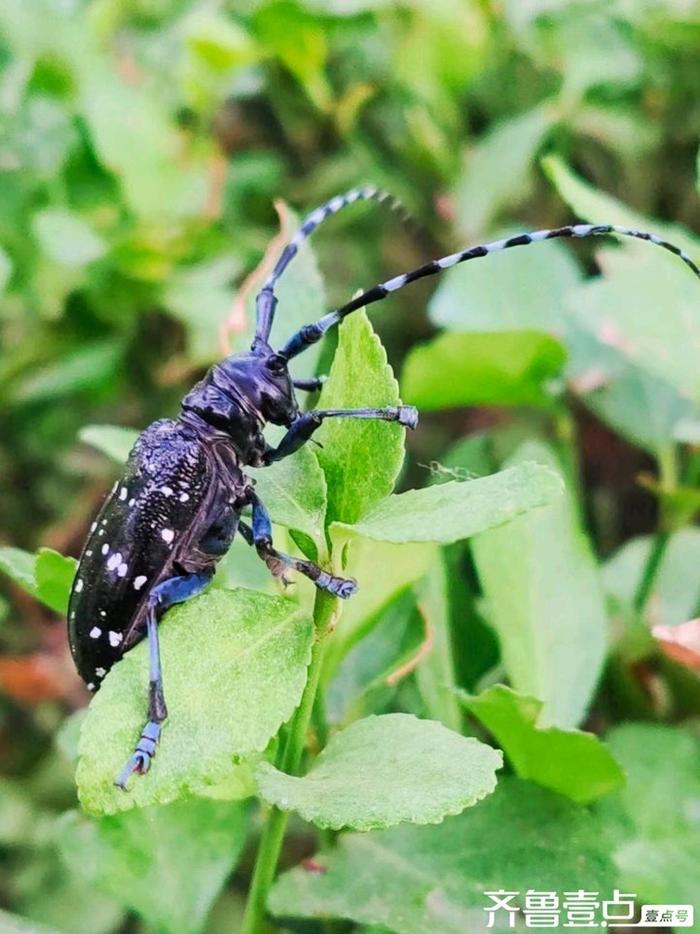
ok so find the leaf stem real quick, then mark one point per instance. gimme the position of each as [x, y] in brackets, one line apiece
[288, 760]
[668, 471]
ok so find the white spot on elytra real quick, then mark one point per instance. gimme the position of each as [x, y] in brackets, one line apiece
[166, 490]
[100, 672]
[91, 686]
[123, 493]
[114, 561]
[88, 553]
[115, 638]
[122, 569]
[167, 535]
[140, 581]
[132, 501]
[93, 526]
[79, 585]
[184, 497]
[103, 614]
[95, 632]
[101, 532]
[105, 548]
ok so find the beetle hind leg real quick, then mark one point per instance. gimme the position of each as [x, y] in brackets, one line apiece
[172, 591]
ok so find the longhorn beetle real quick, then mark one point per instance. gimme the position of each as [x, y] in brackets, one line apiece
[177, 508]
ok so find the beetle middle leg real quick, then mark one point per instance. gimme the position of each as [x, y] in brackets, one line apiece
[260, 536]
[165, 595]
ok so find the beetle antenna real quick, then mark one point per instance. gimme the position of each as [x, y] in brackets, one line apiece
[266, 301]
[311, 333]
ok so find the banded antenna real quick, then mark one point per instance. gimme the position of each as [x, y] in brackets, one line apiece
[311, 333]
[266, 300]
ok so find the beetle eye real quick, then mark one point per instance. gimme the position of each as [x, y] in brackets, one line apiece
[276, 363]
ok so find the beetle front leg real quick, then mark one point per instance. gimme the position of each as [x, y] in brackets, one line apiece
[277, 561]
[302, 428]
[165, 595]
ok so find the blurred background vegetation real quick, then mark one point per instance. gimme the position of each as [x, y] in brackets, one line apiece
[142, 146]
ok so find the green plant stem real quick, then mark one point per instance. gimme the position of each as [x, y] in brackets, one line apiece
[650, 570]
[668, 471]
[289, 761]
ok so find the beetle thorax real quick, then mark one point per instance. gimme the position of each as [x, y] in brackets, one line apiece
[240, 395]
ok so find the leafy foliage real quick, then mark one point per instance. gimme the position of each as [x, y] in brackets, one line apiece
[418, 878]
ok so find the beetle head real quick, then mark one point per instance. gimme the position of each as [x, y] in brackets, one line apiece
[262, 380]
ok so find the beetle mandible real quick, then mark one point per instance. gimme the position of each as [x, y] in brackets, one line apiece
[175, 511]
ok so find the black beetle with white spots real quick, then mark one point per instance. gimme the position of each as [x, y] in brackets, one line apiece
[176, 510]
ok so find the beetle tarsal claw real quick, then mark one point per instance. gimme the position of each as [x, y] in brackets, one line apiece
[341, 587]
[408, 416]
[143, 755]
[277, 567]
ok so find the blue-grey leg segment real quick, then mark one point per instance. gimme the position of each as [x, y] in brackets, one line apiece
[301, 430]
[278, 562]
[165, 595]
[309, 385]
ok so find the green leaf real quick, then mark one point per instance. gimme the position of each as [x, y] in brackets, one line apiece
[435, 675]
[67, 238]
[499, 169]
[112, 440]
[365, 678]
[504, 368]
[527, 293]
[543, 597]
[644, 409]
[234, 666]
[14, 924]
[298, 40]
[411, 770]
[5, 269]
[80, 371]
[167, 864]
[597, 207]
[47, 575]
[359, 376]
[418, 879]
[662, 764]
[219, 41]
[574, 763]
[154, 183]
[200, 296]
[401, 565]
[448, 512]
[622, 308]
[676, 586]
[294, 492]
[658, 824]
[54, 577]
[20, 565]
